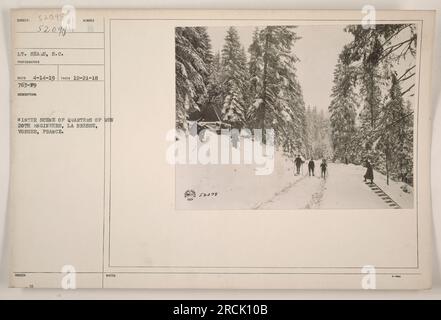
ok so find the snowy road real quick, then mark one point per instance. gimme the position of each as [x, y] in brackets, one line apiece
[343, 188]
[237, 187]
[304, 193]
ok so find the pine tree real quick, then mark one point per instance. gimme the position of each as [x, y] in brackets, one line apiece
[215, 87]
[394, 134]
[245, 87]
[277, 101]
[289, 120]
[376, 52]
[371, 79]
[255, 74]
[318, 141]
[193, 58]
[234, 81]
[343, 108]
[405, 145]
[374, 56]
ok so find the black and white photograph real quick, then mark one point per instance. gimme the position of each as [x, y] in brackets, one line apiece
[282, 117]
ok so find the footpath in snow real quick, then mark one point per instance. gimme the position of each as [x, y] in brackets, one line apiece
[304, 193]
[344, 188]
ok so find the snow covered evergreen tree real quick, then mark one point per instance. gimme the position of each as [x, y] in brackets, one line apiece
[404, 168]
[395, 134]
[255, 74]
[318, 128]
[374, 57]
[215, 86]
[277, 100]
[343, 108]
[376, 52]
[193, 58]
[235, 78]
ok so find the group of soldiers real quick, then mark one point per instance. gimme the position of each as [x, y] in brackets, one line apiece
[369, 175]
[311, 166]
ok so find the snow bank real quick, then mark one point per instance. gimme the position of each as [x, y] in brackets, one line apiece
[395, 191]
[230, 186]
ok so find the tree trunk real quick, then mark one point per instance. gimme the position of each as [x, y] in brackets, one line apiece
[387, 164]
[371, 97]
[264, 85]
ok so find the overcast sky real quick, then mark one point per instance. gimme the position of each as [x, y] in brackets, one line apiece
[318, 51]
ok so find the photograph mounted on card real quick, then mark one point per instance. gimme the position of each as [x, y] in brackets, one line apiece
[220, 149]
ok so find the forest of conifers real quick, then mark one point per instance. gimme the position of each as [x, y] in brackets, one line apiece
[370, 114]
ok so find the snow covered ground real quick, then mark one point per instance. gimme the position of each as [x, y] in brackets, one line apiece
[345, 189]
[404, 199]
[237, 187]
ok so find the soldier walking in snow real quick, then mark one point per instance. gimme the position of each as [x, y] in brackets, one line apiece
[323, 166]
[311, 166]
[298, 161]
[369, 175]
